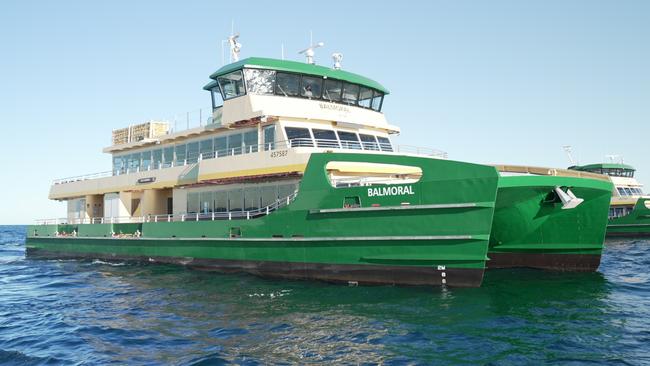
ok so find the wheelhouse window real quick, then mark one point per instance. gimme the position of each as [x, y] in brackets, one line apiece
[365, 97]
[350, 93]
[369, 142]
[349, 140]
[298, 137]
[332, 90]
[260, 81]
[287, 85]
[325, 138]
[384, 144]
[311, 87]
[217, 98]
[377, 100]
[232, 84]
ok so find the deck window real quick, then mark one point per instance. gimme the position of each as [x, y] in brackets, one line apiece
[235, 144]
[236, 199]
[134, 165]
[332, 90]
[232, 85]
[269, 195]
[377, 100]
[350, 93]
[220, 201]
[221, 146]
[192, 152]
[384, 144]
[250, 141]
[180, 151]
[252, 198]
[287, 85]
[269, 137]
[311, 87]
[205, 202]
[192, 202]
[325, 138]
[168, 156]
[157, 158]
[118, 165]
[621, 191]
[369, 142]
[259, 81]
[349, 140]
[146, 161]
[298, 137]
[206, 149]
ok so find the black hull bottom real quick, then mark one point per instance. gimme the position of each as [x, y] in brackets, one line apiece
[368, 274]
[553, 262]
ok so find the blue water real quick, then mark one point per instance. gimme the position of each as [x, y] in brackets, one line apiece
[93, 312]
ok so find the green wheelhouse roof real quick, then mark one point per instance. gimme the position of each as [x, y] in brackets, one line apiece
[295, 67]
[602, 166]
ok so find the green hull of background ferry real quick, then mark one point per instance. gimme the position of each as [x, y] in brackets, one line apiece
[636, 223]
[529, 232]
[438, 235]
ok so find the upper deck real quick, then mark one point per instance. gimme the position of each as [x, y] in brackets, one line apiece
[268, 116]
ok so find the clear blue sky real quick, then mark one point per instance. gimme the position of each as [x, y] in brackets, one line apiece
[486, 81]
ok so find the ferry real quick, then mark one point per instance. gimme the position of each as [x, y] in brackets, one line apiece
[551, 219]
[629, 212]
[294, 176]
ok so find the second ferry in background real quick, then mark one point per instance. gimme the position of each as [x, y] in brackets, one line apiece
[629, 212]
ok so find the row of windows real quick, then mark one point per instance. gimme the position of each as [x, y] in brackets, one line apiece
[310, 137]
[629, 191]
[614, 172]
[615, 212]
[239, 199]
[187, 153]
[270, 82]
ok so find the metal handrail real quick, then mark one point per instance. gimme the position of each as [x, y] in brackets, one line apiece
[193, 216]
[249, 149]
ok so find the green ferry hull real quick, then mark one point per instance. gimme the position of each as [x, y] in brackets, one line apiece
[637, 223]
[436, 235]
[531, 230]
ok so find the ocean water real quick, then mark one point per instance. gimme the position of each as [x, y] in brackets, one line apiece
[95, 313]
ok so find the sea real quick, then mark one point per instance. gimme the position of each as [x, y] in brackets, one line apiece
[93, 312]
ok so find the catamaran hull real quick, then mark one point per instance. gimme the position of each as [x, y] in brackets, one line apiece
[433, 232]
[335, 273]
[531, 229]
[635, 224]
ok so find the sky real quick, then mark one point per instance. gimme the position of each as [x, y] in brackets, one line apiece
[503, 81]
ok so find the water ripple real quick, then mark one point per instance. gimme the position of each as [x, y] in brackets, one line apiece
[56, 312]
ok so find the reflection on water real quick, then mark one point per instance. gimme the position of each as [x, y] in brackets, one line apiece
[99, 312]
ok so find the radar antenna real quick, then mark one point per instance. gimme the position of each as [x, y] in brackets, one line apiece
[309, 51]
[337, 57]
[235, 47]
[569, 153]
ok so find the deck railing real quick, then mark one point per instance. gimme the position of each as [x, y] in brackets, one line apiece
[194, 216]
[194, 157]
